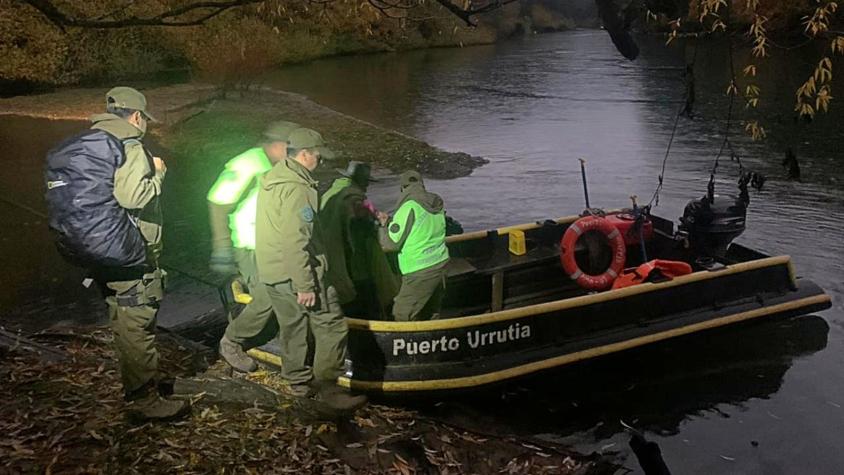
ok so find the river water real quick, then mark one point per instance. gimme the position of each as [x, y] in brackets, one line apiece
[762, 399]
[765, 399]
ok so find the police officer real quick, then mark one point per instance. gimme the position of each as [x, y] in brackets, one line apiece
[358, 268]
[417, 232]
[102, 193]
[292, 264]
[232, 207]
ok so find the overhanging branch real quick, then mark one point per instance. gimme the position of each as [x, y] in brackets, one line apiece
[174, 17]
[466, 13]
[198, 12]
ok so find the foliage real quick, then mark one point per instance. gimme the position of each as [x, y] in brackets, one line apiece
[68, 417]
[232, 46]
[756, 19]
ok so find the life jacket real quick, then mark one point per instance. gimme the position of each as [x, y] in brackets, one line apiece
[650, 270]
[90, 227]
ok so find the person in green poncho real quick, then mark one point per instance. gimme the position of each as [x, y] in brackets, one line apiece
[417, 232]
[358, 268]
[232, 204]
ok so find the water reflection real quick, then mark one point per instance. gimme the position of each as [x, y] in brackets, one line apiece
[536, 105]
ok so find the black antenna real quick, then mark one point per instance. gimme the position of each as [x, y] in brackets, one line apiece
[583, 175]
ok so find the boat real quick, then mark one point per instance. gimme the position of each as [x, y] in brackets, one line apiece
[507, 315]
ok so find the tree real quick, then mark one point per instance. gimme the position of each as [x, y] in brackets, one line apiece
[196, 13]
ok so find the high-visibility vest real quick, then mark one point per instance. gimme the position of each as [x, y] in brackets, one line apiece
[425, 245]
[238, 184]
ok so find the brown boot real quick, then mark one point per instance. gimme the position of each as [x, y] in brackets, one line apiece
[235, 356]
[338, 398]
[151, 406]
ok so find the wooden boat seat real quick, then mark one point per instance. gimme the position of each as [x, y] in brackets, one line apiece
[503, 261]
[459, 266]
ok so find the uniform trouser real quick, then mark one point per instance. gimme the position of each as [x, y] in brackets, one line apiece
[327, 325]
[257, 319]
[421, 294]
[132, 310]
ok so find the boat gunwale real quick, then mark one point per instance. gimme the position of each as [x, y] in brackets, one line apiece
[535, 366]
[568, 303]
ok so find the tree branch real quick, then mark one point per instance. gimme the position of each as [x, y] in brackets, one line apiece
[184, 16]
[167, 18]
[471, 10]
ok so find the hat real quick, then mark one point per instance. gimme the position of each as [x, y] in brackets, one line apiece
[280, 130]
[358, 171]
[128, 98]
[410, 177]
[311, 139]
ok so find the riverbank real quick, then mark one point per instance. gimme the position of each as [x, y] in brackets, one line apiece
[62, 412]
[203, 120]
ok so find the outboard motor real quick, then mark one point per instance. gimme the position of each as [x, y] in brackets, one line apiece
[712, 223]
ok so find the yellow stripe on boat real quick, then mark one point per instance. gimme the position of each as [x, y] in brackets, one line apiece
[516, 227]
[471, 381]
[537, 309]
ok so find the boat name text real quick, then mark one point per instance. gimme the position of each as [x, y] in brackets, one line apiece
[474, 338]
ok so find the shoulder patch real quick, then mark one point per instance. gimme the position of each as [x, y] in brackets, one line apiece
[307, 214]
[394, 228]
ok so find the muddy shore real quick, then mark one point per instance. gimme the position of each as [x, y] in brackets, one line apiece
[203, 119]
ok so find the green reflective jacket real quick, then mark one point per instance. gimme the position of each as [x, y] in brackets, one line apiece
[237, 189]
[418, 231]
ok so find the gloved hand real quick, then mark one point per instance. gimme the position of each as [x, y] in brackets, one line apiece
[222, 261]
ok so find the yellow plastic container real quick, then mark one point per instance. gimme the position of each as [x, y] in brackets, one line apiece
[517, 242]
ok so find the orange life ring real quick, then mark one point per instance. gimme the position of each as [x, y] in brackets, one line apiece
[619, 252]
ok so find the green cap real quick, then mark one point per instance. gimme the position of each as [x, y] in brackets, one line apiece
[410, 177]
[310, 139]
[280, 130]
[128, 98]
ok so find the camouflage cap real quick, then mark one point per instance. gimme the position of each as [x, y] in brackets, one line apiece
[280, 130]
[128, 98]
[410, 177]
[310, 139]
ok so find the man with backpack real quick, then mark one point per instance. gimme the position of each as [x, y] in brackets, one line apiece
[103, 189]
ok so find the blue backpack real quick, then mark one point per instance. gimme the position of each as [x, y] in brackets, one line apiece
[91, 229]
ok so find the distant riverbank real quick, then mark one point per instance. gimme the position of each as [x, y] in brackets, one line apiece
[200, 118]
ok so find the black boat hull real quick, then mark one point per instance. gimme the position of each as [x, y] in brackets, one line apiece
[525, 336]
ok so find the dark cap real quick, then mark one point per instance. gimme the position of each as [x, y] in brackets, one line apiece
[128, 98]
[310, 139]
[410, 177]
[358, 171]
[279, 131]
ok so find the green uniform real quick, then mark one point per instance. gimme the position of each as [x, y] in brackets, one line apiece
[133, 295]
[358, 266]
[417, 233]
[233, 201]
[291, 258]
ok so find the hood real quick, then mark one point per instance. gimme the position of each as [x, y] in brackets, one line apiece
[416, 192]
[116, 126]
[288, 171]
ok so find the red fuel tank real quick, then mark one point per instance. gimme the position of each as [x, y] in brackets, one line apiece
[624, 223]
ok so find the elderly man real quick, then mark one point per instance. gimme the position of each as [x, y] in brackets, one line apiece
[292, 264]
[358, 268]
[417, 232]
[102, 194]
[232, 207]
